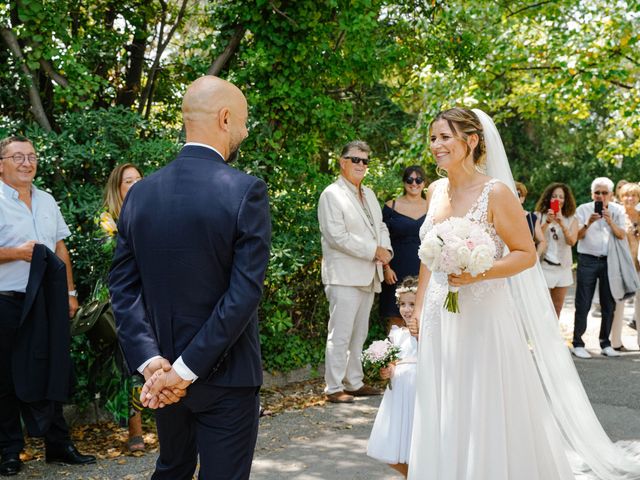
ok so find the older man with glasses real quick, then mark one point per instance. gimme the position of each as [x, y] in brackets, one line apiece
[34, 328]
[598, 222]
[355, 246]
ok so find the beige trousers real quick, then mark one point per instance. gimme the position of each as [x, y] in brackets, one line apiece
[349, 309]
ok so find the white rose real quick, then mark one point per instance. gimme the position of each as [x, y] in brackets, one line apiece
[463, 255]
[461, 227]
[429, 252]
[481, 259]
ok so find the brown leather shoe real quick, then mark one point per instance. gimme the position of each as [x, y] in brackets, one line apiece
[364, 391]
[339, 397]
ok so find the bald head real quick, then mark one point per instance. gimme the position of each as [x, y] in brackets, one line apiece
[215, 113]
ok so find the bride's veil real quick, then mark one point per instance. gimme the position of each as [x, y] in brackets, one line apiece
[565, 394]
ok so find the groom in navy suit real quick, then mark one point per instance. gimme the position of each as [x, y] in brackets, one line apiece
[186, 280]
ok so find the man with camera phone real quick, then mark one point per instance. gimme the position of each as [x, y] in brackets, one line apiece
[598, 221]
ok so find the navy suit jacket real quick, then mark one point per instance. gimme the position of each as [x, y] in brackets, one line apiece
[187, 275]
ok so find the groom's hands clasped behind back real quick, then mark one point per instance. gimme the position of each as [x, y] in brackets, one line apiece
[163, 386]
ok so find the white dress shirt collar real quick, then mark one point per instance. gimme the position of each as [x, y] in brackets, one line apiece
[196, 144]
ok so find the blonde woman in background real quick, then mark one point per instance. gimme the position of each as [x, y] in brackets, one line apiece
[121, 179]
[618, 196]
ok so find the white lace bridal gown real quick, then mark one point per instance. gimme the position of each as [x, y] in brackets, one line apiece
[480, 411]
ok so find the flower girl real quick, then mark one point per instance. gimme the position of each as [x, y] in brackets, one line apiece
[390, 438]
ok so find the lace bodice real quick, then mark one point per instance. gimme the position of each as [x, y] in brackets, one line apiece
[477, 213]
[439, 284]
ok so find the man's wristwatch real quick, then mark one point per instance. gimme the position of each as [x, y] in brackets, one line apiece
[73, 293]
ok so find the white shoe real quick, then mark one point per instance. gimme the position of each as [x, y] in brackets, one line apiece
[610, 352]
[581, 352]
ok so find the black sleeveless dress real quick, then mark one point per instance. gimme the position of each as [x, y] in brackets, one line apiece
[405, 241]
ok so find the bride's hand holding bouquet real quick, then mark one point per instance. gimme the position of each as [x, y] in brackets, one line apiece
[460, 248]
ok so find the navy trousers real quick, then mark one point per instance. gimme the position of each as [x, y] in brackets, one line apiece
[591, 270]
[220, 424]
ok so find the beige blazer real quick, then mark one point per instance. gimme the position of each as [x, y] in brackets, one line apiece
[348, 240]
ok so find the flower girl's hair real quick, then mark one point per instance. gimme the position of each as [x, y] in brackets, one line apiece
[408, 285]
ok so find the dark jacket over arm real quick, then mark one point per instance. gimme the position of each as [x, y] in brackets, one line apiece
[41, 360]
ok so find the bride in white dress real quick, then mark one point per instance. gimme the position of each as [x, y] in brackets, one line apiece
[497, 395]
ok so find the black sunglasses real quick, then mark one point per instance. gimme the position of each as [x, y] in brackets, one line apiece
[357, 160]
[598, 192]
[555, 234]
[410, 180]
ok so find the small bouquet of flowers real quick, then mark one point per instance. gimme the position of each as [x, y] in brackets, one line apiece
[454, 246]
[379, 354]
[107, 230]
[107, 224]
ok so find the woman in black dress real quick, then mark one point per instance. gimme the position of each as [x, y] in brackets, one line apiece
[403, 216]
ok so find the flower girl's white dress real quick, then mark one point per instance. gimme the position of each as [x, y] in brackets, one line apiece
[390, 439]
[480, 408]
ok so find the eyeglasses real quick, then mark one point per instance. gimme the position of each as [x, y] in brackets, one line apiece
[357, 160]
[418, 180]
[598, 192]
[20, 158]
[554, 232]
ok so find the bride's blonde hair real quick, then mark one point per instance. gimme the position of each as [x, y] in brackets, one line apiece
[464, 122]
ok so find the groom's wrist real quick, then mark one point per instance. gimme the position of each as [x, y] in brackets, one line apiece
[183, 371]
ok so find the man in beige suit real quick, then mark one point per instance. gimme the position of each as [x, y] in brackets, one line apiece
[355, 246]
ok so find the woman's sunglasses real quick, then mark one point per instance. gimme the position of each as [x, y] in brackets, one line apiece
[410, 180]
[555, 234]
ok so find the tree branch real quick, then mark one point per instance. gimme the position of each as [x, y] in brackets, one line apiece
[34, 95]
[533, 5]
[280, 12]
[221, 61]
[613, 82]
[162, 45]
[127, 95]
[339, 41]
[53, 75]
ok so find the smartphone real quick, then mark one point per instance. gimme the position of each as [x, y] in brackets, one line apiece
[598, 207]
[555, 205]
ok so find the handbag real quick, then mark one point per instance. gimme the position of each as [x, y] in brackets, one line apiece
[95, 319]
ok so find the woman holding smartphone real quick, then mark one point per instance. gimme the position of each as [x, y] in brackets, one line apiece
[557, 207]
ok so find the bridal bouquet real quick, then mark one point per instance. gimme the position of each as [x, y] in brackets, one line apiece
[379, 354]
[454, 246]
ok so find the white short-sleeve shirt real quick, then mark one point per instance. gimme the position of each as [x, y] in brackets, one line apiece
[596, 240]
[43, 223]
